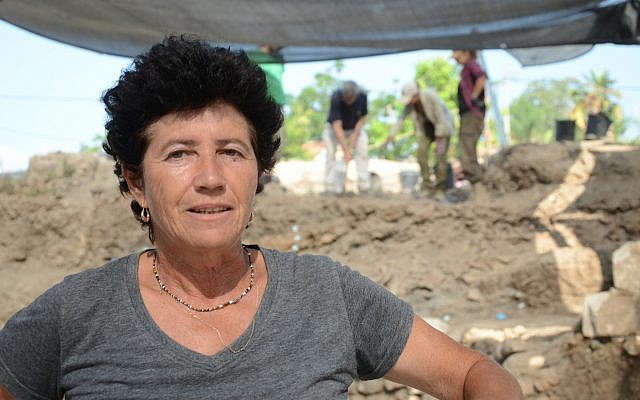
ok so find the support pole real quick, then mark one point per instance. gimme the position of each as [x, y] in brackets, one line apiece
[503, 139]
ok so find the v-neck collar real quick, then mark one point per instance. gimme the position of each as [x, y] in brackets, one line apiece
[169, 346]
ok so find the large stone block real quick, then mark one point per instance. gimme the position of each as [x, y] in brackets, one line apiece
[626, 268]
[611, 313]
[579, 274]
[371, 387]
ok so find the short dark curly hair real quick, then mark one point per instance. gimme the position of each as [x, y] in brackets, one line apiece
[183, 74]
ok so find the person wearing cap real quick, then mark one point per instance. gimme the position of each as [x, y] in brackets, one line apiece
[345, 128]
[433, 123]
[472, 107]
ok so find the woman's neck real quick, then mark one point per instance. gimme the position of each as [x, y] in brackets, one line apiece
[205, 275]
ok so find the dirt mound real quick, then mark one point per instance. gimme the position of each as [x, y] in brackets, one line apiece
[523, 166]
[502, 260]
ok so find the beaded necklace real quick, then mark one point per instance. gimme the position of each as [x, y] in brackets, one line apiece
[163, 287]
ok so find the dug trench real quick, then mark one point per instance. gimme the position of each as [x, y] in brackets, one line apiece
[504, 272]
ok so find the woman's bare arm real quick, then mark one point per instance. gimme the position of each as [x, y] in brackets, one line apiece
[436, 364]
[5, 395]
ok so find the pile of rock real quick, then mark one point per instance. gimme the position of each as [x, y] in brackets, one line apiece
[384, 389]
[616, 312]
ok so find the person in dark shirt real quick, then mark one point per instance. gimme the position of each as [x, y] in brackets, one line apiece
[345, 128]
[472, 107]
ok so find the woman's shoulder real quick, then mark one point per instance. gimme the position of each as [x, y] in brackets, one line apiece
[312, 269]
[82, 293]
[110, 270]
[104, 281]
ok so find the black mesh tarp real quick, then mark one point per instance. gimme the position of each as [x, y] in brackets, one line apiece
[328, 29]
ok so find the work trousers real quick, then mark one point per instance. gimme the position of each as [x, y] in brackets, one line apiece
[335, 170]
[471, 127]
[424, 145]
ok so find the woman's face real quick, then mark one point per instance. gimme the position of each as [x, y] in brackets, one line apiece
[199, 178]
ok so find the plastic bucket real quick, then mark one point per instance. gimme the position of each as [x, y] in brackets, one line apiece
[408, 180]
[340, 176]
[565, 130]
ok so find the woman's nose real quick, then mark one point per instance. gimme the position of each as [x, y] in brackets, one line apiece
[209, 174]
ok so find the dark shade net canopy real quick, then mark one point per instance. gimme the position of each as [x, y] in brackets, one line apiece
[330, 29]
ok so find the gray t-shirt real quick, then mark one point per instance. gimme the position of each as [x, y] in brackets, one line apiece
[319, 325]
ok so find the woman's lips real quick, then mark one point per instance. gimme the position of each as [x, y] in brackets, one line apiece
[209, 210]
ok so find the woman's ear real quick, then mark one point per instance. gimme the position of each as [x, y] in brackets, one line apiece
[135, 183]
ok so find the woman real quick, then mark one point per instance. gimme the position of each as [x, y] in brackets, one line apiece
[191, 129]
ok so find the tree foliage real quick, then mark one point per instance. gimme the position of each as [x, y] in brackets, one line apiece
[95, 146]
[534, 112]
[382, 115]
[442, 76]
[597, 95]
[307, 112]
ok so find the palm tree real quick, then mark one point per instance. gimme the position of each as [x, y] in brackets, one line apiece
[598, 96]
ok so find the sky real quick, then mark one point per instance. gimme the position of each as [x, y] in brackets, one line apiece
[49, 91]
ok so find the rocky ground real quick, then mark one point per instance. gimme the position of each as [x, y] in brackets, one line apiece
[505, 272]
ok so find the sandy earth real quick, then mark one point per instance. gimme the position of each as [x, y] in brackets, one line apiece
[495, 272]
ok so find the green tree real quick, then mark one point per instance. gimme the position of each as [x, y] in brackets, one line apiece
[95, 146]
[442, 76]
[307, 112]
[383, 111]
[599, 95]
[534, 112]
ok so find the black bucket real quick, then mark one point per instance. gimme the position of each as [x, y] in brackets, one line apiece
[565, 130]
[597, 126]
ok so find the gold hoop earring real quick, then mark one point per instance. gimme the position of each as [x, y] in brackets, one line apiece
[144, 215]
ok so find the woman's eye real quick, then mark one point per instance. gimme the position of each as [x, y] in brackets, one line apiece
[177, 154]
[231, 153]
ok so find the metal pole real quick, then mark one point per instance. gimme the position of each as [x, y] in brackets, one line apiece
[503, 139]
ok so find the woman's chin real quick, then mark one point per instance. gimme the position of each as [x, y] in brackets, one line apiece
[213, 239]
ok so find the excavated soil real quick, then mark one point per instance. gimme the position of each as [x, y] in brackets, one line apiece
[490, 271]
